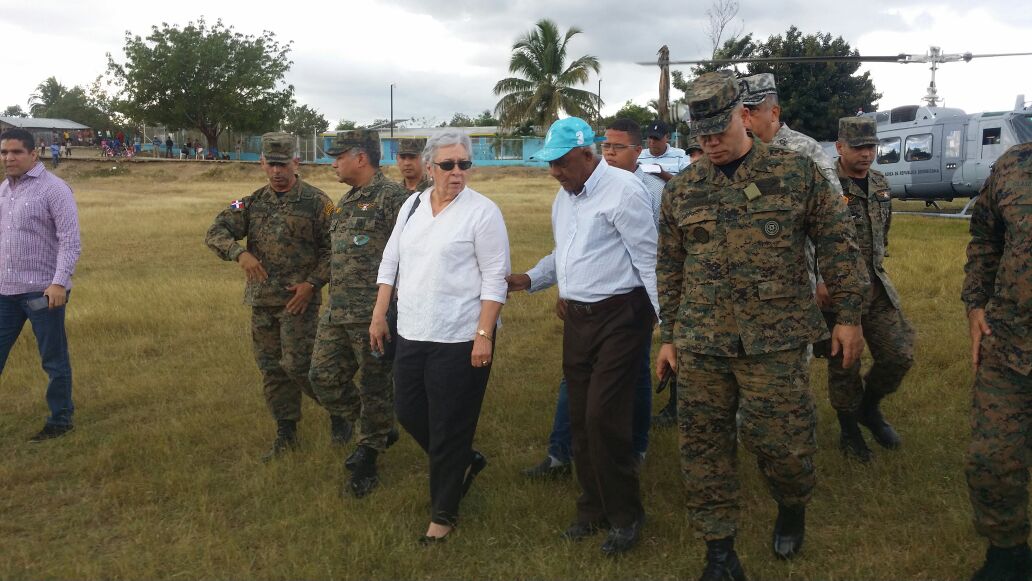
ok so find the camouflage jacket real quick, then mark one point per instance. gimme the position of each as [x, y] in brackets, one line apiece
[289, 235]
[731, 268]
[792, 140]
[361, 225]
[870, 212]
[422, 185]
[998, 274]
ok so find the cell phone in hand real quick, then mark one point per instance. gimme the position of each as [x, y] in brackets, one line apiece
[653, 168]
[38, 303]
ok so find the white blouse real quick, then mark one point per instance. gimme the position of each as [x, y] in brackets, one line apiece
[448, 264]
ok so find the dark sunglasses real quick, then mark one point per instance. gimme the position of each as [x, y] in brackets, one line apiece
[450, 164]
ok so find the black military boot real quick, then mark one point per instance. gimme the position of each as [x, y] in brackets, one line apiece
[871, 417]
[789, 531]
[392, 437]
[340, 430]
[286, 439]
[1010, 564]
[722, 562]
[851, 442]
[362, 464]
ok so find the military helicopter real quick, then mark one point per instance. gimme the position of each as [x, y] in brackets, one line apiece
[927, 152]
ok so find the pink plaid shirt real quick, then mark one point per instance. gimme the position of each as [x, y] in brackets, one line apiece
[39, 233]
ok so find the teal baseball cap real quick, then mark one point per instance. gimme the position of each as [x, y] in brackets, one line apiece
[564, 135]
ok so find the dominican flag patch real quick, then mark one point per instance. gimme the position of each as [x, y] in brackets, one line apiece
[237, 205]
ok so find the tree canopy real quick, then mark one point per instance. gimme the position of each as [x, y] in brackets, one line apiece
[89, 106]
[345, 124]
[640, 114]
[303, 120]
[14, 111]
[485, 119]
[813, 96]
[546, 85]
[209, 78]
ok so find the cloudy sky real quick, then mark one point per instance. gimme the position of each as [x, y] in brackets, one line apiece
[444, 56]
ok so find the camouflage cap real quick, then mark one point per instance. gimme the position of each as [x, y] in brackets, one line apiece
[367, 139]
[278, 147]
[758, 87]
[411, 146]
[692, 144]
[858, 131]
[711, 99]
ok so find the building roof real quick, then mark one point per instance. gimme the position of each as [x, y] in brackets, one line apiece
[41, 123]
[425, 132]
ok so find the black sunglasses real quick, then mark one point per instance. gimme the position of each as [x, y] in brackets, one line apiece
[450, 164]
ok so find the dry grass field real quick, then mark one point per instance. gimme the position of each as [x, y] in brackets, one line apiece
[162, 477]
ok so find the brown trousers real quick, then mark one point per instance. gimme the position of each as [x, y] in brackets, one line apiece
[601, 356]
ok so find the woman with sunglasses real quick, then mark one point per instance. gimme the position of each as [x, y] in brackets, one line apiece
[448, 256]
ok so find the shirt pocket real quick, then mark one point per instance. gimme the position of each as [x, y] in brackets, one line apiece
[300, 224]
[699, 231]
[771, 222]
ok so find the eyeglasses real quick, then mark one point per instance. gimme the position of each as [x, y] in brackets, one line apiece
[617, 147]
[449, 165]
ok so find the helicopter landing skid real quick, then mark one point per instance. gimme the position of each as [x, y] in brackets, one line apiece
[964, 214]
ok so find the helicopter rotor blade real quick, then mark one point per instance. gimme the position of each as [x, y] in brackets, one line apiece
[789, 59]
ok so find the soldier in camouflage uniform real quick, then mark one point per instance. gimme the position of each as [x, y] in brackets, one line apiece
[998, 296]
[361, 224]
[286, 262]
[410, 164]
[886, 330]
[737, 315]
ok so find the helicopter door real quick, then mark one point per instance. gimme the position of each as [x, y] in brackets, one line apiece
[952, 154]
[922, 154]
[993, 147]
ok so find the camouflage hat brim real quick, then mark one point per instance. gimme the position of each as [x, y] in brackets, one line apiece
[711, 125]
[862, 141]
[277, 157]
[753, 100]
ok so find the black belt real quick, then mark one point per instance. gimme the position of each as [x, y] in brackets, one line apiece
[604, 304]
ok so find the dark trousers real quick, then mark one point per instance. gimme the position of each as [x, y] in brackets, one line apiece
[49, 328]
[601, 356]
[437, 396]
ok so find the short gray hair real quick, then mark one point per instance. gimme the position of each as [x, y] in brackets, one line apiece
[444, 139]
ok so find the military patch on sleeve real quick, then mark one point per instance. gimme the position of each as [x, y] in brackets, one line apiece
[237, 205]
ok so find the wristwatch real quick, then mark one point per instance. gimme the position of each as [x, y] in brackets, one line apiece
[484, 334]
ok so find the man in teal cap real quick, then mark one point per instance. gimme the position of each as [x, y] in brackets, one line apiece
[604, 262]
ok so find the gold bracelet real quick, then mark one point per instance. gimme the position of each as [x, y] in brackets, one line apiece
[484, 334]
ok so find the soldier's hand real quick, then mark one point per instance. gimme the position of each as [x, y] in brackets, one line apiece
[518, 282]
[849, 339]
[253, 269]
[303, 292]
[666, 360]
[822, 296]
[560, 309]
[379, 334]
[978, 328]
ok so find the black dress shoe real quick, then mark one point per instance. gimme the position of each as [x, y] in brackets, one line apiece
[722, 562]
[49, 432]
[476, 465]
[547, 469]
[622, 539]
[578, 531]
[789, 531]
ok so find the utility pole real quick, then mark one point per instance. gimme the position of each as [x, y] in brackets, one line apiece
[598, 105]
[392, 110]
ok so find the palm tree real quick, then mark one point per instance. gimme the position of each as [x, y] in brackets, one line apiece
[47, 94]
[545, 85]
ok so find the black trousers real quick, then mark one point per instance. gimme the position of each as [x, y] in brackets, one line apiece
[601, 358]
[437, 396]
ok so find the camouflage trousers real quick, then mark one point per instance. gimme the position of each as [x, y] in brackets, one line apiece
[771, 393]
[890, 337]
[283, 349]
[341, 352]
[998, 455]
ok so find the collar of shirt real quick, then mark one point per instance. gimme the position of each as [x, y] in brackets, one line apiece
[34, 172]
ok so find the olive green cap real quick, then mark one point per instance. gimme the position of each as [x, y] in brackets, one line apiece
[278, 147]
[858, 131]
[366, 139]
[711, 99]
[411, 146]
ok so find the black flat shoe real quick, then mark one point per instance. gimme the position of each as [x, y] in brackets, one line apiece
[427, 540]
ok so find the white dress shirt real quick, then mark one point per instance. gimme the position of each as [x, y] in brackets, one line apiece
[449, 263]
[673, 160]
[605, 240]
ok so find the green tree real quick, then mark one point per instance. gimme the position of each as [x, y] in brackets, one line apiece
[345, 125]
[48, 93]
[485, 119]
[303, 120]
[204, 77]
[631, 110]
[14, 111]
[460, 120]
[545, 86]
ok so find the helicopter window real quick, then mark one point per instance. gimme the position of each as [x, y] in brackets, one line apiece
[919, 147]
[991, 136]
[888, 150]
[1022, 128]
[952, 143]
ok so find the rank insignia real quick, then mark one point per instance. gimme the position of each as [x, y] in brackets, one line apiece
[752, 192]
[328, 211]
[700, 234]
[771, 228]
[367, 206]
[361, 240]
